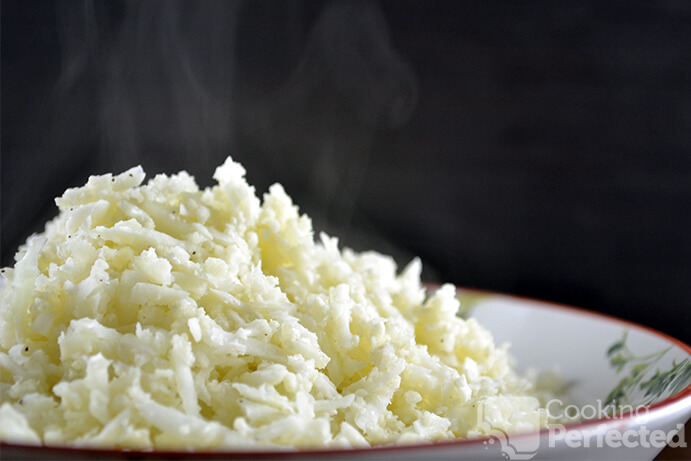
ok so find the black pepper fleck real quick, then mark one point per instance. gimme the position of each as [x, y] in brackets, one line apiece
[26, 349]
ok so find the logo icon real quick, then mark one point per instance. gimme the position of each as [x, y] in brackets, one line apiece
[517, 447]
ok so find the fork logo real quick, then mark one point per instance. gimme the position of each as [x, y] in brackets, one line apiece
[515, 446]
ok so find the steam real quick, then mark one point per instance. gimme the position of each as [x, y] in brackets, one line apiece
[159, 75]
[169, 84]
[317, 128]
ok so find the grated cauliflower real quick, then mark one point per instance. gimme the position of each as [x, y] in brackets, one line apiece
[162, 316]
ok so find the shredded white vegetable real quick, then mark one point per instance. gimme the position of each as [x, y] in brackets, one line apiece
[159, 315]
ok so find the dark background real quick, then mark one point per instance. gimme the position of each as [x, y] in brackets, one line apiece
[536, 148]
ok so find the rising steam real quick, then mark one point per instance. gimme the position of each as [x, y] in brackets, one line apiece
[294, 90]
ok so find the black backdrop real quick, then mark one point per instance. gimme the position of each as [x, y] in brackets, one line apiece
[537, 148]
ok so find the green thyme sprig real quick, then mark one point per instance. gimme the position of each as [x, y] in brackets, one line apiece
[621, 358]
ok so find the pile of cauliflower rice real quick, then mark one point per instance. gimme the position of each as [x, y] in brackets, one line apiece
[162, 316]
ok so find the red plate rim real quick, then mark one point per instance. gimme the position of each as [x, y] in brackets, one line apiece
[682, 398]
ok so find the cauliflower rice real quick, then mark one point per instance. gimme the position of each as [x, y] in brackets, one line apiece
[162, 316]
